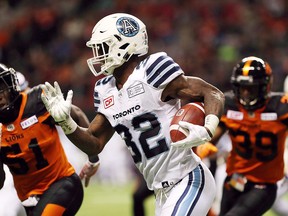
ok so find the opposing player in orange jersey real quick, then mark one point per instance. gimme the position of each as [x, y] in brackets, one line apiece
[45, 181]
[256, 120]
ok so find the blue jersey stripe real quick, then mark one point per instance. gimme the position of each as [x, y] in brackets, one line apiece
[96, 95]
[166, 75]
[96, 101]
[155, 63]
[161, 69]
[202, 176]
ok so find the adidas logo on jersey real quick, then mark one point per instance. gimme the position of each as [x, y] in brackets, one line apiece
[165, 184]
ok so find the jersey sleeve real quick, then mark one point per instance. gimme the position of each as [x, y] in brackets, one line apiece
[161, 69]
[96, 96]
[282, 108]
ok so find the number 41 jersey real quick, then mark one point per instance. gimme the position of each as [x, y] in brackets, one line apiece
[142, 120]
[258, 138]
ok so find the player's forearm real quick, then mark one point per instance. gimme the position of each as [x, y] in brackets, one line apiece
[214, 102]
[85, 141]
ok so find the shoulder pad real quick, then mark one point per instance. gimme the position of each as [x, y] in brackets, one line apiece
[34, 103]
[160, 69]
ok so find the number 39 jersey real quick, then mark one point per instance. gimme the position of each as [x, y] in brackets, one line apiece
[31, 148]
[258, 138]
[142, 120]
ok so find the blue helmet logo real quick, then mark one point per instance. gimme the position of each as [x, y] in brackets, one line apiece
[127, 26]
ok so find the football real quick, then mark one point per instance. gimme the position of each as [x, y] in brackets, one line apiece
[193, 113]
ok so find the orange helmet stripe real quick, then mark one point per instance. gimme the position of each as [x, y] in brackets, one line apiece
[246, 68]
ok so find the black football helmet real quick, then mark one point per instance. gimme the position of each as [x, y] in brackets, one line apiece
[9, 82]
[255, 75]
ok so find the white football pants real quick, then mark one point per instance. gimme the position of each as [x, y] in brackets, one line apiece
[192, 196]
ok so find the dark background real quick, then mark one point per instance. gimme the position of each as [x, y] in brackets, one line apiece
[46, 39]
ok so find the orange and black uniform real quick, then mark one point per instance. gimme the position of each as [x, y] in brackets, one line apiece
[258, 143]
[32, 150]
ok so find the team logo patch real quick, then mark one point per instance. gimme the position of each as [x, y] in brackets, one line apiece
[28, 122]
[135, 90]
[268, 116]
[127, 26]
[236, 115]
[108, 102]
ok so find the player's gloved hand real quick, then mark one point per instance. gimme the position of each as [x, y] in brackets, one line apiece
[206, 150]
[88, 170]
[58, 107]
[197, 135]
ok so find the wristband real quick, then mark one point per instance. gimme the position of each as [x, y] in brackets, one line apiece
[68, 126]
[93, 158]
[93, 164]
[211, 123]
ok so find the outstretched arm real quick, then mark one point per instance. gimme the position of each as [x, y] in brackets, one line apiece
[90, 138]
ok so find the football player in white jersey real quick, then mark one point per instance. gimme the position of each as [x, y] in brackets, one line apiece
[137, 98]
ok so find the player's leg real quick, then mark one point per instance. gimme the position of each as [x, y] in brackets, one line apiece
[193, 195]
[139, 196]
[64, 197]
[229, 197]
[255, 200]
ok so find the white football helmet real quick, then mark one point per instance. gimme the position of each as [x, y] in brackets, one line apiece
[115, 38]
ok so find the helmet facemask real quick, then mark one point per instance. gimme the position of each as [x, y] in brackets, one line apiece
[114, 40]
[9, 85]
[251, 96]
[104, 60]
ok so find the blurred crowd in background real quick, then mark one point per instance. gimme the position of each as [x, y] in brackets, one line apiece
[46, 40]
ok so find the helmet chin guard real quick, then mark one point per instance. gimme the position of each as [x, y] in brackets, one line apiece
[115, 38]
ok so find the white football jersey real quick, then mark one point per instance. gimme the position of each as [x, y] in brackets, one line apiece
[142, 120]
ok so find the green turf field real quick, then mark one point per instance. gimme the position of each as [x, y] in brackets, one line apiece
[109, 200]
